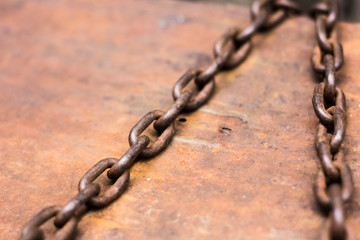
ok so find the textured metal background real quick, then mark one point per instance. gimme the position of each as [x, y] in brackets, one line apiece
[75, 76]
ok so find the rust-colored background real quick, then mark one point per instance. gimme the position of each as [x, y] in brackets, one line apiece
[75, 76]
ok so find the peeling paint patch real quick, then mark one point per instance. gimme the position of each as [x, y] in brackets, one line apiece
[231, 114]
[197, 142]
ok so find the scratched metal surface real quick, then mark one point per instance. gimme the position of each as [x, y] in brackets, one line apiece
[75, 76]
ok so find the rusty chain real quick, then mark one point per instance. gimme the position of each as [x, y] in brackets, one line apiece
[333, 185]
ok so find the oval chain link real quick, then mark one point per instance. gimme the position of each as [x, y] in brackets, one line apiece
[239, 55]
[112, 192]
[319, 104]
[317, 58]
[324, 40]
[164, 121]
[160, 143]
[125, 162]
[321, 186]
[75, 204]
[280, 10]
[203, 92]
[32, 229]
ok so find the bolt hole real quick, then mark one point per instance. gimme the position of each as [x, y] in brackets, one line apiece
[182, 119]
[225, 130]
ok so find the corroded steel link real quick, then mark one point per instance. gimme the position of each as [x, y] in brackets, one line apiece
[330, 84]
[333, 117]
[160, 143]
[112, 192]
[125, 162]
[323, 38]
[258, 6]
[317, 58]
[319, 106]
[75, 204]
[240, 53]
[320, 190]
[321, 187]
[332, 16]
[273, 19]
[326, 232]
[249, 31]
[337, 213]
[339, 128]
[319, 8]
[203, 94]
[322, 146]
[289, 6]
[32, 229]
[265, 14]
[174, 111]
[216, 66]
[280, 10]
[329, 10]
[321, 111]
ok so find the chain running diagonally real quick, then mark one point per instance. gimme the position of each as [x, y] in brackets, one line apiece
[333, 185]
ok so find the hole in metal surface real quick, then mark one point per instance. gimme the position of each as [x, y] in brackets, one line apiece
[225, 130]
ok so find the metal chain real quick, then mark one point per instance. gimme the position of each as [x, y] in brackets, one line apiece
[334, 184]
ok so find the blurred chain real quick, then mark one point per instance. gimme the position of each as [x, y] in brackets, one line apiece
[193, 89]
[334, 185]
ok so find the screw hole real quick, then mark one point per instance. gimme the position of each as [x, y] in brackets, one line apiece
[225, 130]
[182, 119]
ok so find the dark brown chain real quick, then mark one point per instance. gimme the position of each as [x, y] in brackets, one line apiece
[334, 184]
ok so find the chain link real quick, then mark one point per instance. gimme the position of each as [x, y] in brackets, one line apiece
[128, 158]
[160, 143]
[32, 231]
[317, 58]
[240, 52]
[333, 185]
[320, 185]
[75, 204]
[111, 193]
[279, 11]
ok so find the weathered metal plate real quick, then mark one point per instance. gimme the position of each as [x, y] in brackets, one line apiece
[77, 75]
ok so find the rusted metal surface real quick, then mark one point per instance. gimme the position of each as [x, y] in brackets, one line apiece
[202, 79]
[240, 168]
